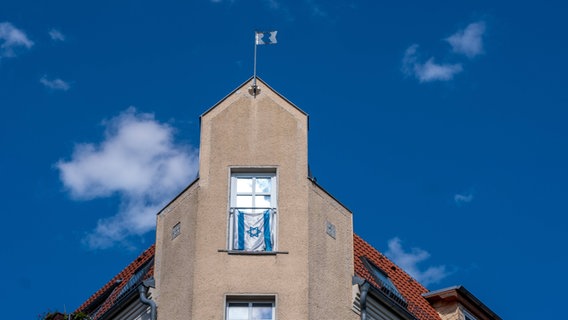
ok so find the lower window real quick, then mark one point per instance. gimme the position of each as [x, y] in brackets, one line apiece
[250, 310]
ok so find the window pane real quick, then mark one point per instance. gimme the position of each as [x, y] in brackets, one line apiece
[238, 311]
[251, 193]
[262, 185]
[262, 311]
[244, 185]
[382, 277]
[244, 201]
[262, 201]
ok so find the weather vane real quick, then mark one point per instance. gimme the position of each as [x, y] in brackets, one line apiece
[260, 38]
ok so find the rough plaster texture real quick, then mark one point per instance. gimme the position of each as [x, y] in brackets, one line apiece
[330, 259]
[174, 284]
[311, 280]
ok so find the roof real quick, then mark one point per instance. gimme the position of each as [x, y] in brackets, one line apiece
[120, 286]
[461, 294]
[408, 287]
[416, 296]
[112, 293]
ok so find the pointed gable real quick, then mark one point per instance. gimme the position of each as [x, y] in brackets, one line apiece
[244, 88]
[247, 129]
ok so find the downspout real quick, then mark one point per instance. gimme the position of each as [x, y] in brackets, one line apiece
[363, 300]
[142, 290]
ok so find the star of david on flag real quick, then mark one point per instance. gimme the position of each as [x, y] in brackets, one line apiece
[253, 231]
[265, 37]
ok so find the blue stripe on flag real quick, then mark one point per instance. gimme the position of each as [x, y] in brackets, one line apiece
[241, 231]
[267, 238]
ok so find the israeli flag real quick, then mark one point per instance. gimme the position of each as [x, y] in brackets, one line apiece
[253, 231]
[266, 37]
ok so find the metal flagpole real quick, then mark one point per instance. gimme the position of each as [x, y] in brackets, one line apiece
[254, 87]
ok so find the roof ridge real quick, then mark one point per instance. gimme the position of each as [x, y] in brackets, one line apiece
[145, 256]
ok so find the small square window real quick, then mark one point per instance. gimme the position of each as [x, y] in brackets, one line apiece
[176, 230]
[330, 229]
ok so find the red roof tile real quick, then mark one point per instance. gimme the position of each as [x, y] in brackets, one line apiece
[115, 289]
[410, 289]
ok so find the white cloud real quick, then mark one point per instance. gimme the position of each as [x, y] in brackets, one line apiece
[316, 9]
[431, 71]
[409, 261]
[461, 199]
[139, 161]
[12, 38]
[56, 35]
[468, 41]
[428, 71]
[55, 84]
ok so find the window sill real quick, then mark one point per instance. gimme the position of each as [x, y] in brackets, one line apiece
[252, 253]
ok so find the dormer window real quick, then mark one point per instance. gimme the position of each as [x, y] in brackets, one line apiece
[385, 284]
[252, 212]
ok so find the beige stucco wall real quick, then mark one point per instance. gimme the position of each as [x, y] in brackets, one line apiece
[330, 259]
[174, 261]
[310, 277]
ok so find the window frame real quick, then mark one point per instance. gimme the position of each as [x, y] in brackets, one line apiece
[467, 315]
[253, 173]
[385, 283]
[250, 300]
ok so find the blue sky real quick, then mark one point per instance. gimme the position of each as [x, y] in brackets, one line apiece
[441, 125]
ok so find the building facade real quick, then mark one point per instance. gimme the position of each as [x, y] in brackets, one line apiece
[255, 237]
